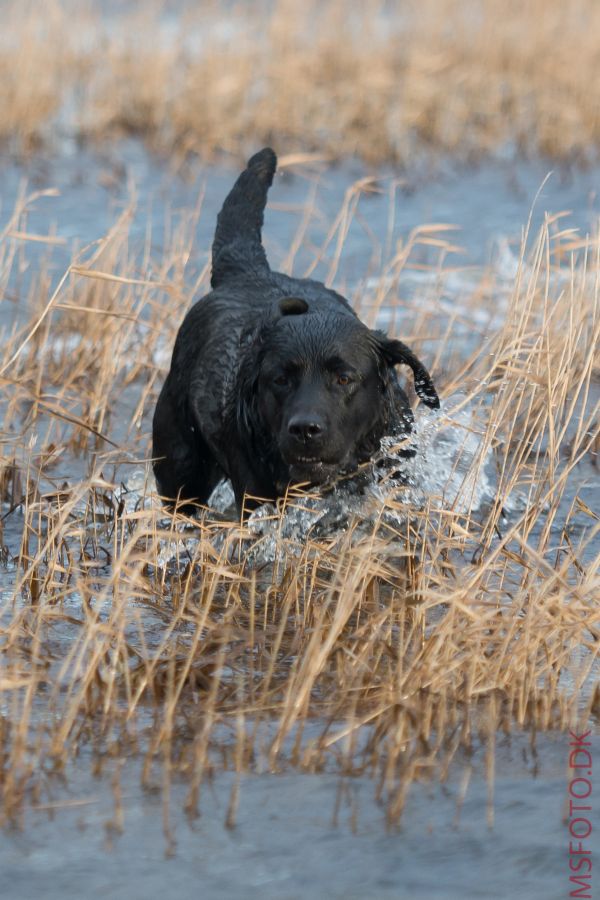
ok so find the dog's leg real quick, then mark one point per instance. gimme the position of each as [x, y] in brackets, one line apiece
[184, 467]
[249, 492]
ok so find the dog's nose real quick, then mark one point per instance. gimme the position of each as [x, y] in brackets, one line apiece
[305, 428]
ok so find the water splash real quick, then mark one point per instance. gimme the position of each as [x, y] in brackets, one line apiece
[451, 467]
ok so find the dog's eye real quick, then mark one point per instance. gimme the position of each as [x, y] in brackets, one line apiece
[280, 380]
[344, 379]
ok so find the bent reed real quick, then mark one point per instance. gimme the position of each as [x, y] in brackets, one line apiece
[388, 654]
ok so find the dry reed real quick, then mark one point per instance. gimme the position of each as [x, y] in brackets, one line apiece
[382, 653]
[386, 81]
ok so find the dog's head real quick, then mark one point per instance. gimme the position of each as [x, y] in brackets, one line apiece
[320, 388]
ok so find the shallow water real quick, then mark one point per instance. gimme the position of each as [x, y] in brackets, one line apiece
[284, 844]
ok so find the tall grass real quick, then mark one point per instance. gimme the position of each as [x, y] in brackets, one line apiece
[385, 653]
[386, 81]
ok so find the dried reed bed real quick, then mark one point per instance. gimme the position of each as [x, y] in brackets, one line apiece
[385, 654]
[389, 82]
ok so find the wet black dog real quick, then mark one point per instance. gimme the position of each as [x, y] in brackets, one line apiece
[273, 380]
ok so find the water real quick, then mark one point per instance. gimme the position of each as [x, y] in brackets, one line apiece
[284, 844]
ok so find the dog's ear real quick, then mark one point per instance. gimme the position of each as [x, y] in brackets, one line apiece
[293, 306]
[394, 353]
[257, 333]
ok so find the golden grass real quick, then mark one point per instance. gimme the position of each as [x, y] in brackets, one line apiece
[382, 653]
[389, 82]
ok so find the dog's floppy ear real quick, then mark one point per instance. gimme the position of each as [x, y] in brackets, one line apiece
[293, 306]
[394, 352]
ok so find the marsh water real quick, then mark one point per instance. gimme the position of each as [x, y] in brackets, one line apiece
[285, 844]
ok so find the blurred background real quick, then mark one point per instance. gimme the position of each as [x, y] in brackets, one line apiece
[390, 82]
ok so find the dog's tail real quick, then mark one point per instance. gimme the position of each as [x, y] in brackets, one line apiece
[237, 245]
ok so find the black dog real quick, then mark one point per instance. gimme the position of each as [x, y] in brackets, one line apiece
[273, 380]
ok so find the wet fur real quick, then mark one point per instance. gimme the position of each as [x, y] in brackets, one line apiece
[214, 418]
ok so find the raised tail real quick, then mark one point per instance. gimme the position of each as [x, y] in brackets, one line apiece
[237, 245]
